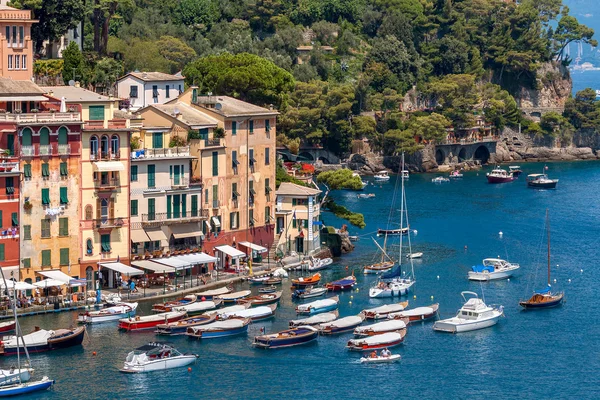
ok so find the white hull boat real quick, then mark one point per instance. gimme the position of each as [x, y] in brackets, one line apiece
[395, 288]
[414, 255]
[492, 269]
[382, 176]
[209, 294]
[393, 325]
[383, 311]
[156, 357]
[315, 320]
[319, 306]
[380, 359]
[11, 376]
[473, 315]
[233, 297]
[341, 325]
[254, 314]
[238, 307]
[114, 313]
[199, 307]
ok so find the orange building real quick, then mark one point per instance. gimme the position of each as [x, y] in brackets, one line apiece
[16, 47]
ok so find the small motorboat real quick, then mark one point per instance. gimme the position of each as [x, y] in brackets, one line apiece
[43, 340]
[267, 289]
[258, 280]
[319, 306]
[440, 179]
[473, 315]
[317, 264]
[544, 298]
[219, 329]
[416, 314]
[341, 325]
[382, 176]
[308, 281]
[170, 305]
[7, 326]
[405, 174]
[238, 307]
[393, 232]
[309, 292]
[27, 387]
[392, 325]
[375, 342]
[515, 170]
[254, 314]
[273, 281]
[138, 323]
[383, 311]
[380, 359]
[156, 357]
[209, 294]
[180, 327]
[353, 238]
[230, 298]
[261, 299]
[365, 195]
[121, 310]
[492, 269]
[541, 181]
[455, 175]
[290, 337]
[315, 319]
[341, 284]
[199, 307]
[414, 255]
[499, 175]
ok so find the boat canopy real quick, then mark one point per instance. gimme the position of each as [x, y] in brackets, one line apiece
[482, 268]
[535, 175]
[544, 291]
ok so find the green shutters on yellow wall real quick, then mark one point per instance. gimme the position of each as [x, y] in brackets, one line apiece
[64, 199]
[45, 196]
[46, 258]
[64, 256]
[63, 227]
[45, 170]
[64, 169]
[27, 170]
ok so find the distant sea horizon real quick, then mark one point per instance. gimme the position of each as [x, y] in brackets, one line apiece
[585, 79]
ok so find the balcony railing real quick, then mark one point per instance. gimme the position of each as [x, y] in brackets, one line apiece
[103, 155]
[173, 217]
[182, 151]
[180, 182]
[9, 167]
[107, 184]
[53, 149]
[214, 142]
[45, 150]
[111, 124]
[109, 223]
[29, 118]
[64, 149]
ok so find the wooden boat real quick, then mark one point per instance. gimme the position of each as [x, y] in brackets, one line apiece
[318, 306]
[169, 305]
[393, 325]
[416, 314]
[138, 323]
[254, 314]
[27, 387]
[7, 326]
[385, 263]
[219, 329]
[121, 310]
[307, 281]
[267, 289]
[230, 298]
[544, 298]
[309, 292]
[156, 357]
[383, 311]
[237, 307]
[375, 342]
[261, 299]
[392, 232]
[273, 281]
[291, 337]
[380, 359]
[199, 307]
[315, 319]
[43, 340]
[341, 284]
[209, 294]
[341, 325]
[180, 327]
[257, 280]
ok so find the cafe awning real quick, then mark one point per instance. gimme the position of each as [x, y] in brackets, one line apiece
[153, 266]
[156, 234]
[186, 230]
[58, 275]
[109, 166]
[121, 268]
[174, 262]
[138, 236]
[198, 258]
[230, 251]
[254, 247]
[46, 283]
[14, 269]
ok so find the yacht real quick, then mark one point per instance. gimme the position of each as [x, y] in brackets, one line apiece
[499, 175]
[473, 315]
[491, 269]
[382, 176]
[156, 357]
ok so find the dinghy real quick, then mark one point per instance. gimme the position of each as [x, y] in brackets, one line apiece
[199, 307]
[149, 321]
[209, 294]
[234, 297]
[180, 327]
[383, 311]
[219, 329]
[380, 359]
[254, 314]
[341, 325]
[287, 338]
[121, 310]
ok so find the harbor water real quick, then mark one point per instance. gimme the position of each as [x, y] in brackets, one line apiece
[529, 354]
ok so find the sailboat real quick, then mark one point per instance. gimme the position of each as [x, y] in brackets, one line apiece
[20, 383]
[385, 264]
[544, 298]
[393, 283]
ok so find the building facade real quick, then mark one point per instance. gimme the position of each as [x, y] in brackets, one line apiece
[298, 218]
[145, 88]
[16, 47]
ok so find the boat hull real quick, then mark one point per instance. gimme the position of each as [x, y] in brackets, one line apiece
[312, 311]
[392, 232]
[499, 179]
[160, 365]
[91, 319]
[454, 325]
[528, 305]
[218, 334]
[490, 276]
[139, 325]
[11, 377]
[7, 327]
[74, 338]
[335, 330]
[380, 359]
[24, 388]
[375, 346]
[545, 185]
[271, 343]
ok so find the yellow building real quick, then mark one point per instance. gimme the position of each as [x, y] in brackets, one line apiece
[298, 218]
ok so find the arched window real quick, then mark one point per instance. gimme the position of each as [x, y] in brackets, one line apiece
[44, 136]
[89, 247]
[62, 135]
[88, 212]
[114, 145]
[26, 137]
[89, 276]
[104, 146]
[94, 145]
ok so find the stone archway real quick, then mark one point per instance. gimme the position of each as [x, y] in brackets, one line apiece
[462, 155]
[482, 154]
[440, 157]
[307, 156]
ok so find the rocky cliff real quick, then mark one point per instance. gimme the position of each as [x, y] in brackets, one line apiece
[553, 88]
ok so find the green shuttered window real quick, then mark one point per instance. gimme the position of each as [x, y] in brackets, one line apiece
[64, 256]
[45, 196]
[134, 207]
[64, 198]
[64, 169]
[96, 113]
[63, 227]
[27, 171]
[45, 170]
[151, 176]
[215, 163]
[46, 258]
[105, 243]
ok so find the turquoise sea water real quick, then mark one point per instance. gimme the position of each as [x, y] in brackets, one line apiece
[545, 354]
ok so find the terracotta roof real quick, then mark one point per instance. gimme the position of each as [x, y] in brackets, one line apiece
[75, 94]
[189, 115]
[154, 76]
[10, 86]
[291, 189]
[231, 107]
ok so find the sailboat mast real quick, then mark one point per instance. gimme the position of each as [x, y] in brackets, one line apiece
[401, 213]
[548, 232]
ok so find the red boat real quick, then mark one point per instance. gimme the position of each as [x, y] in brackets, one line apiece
[7, 326]
[375, 342]
[498, 175]
[342, 284]
[416, 314]
[169, 305]
[149, 321]
[309, 281]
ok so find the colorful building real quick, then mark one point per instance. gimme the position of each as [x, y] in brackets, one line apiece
[16, 47]
[145, 88]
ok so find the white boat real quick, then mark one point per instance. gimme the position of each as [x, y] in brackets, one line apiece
[341, 325]
[309, 292]
[121, 310]
[473, 315]
[383, 311]
[392, 325]
[255, 314]
[380, 359]
[414, 255]
[156, 357]
[405, 174]
[375, 342]
[209, 294]
[440, 179]
[455, 175]
[382, 176]
[315, 319]
[237, 307]
[14, 375]
[317, 264]
[199, 307]
[235, 296]
[318, 306]
[393, 288]
[491, 269]
[416, 314]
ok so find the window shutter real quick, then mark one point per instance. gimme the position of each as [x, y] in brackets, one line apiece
[64, 169]
[183, 205]
[306, 223]
[15, 219]
[111, 208]
[294, 223]
[45, 170]
[2, 252]
[134, 173]
[64, 199]
[64, 256]
[27, 170]
[215, 163]
[45, 196]
[294, 202]
[63, 227]
[233, 128]
[98, 209]
[134, 207]
[27, 263]
[151, 171]
[46, 258]
[26, 232]
[194, 207]
[169, 206]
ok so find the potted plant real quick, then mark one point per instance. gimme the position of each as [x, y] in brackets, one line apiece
[27, 205]
[219, 133]
[135, 143]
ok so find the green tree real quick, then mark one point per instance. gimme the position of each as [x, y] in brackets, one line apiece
[397, 141]
[106, 72]
[392, 53]
[340, 179]
[201, 14]
[570, 30]
[73, 63]
[583, 111]
[175, 51]
[430, 127]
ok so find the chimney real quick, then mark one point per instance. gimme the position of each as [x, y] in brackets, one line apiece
[77, 84]
[144, 75]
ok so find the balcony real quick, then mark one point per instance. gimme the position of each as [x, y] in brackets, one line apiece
[105, 156]
[106, 184]
[216, 204]
[53, 149]
[108, 223]
[33, 118]
[170, 152]
[180, 183]
[174, 217]
[64, 149]
[111, 124]
[9, 168]
[45, 150]
[212, 143]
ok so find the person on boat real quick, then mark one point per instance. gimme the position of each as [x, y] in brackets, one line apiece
[373, 354]
[386, 352]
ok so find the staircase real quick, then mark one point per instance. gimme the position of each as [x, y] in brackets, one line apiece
[273, 249]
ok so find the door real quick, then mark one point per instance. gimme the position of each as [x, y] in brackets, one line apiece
[280, 225]
[176, 175]
[299, 245]
[10, 143]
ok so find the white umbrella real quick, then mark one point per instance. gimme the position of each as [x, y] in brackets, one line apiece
[17, 285]
[46, 283]
[63, 105]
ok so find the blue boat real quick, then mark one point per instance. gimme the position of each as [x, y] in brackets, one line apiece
[229, 327]
[287, 338]
[24, 388]
[318, 306]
